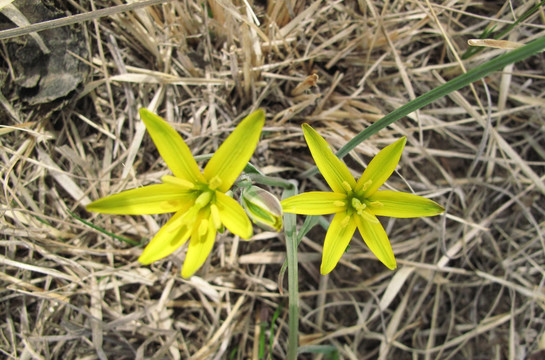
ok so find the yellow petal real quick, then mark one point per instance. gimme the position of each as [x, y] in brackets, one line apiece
[338, 236]
[151, 199]
[402, 205]
[376, 239]
[332, 168]
[200, 245]
[235, 152]
[315, 203]
[233, 216]
[380, 168]
[172, 147]
[169, 238]
[184, 184]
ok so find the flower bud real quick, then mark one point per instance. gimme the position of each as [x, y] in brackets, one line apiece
[262, 207]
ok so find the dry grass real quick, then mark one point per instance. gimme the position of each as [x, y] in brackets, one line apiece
[469, 283]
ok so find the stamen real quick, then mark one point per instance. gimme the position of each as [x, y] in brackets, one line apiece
[368, 217]
[366, 185]
[339, 203]
[184, 184]
[215, 216]
[345, 221]
[187, 218]
[346, 186]
[203, 199]
[203, 227]
[214, 183]
[376, 204]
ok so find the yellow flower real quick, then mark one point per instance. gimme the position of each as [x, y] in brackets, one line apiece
[198, 199]
[356, 204]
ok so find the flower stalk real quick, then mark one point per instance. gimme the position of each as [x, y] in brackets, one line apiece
[293, 278]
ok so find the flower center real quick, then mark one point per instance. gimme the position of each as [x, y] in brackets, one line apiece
[204, 199]
[358, 206]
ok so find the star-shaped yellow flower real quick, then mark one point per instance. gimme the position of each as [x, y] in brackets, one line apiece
[198, 199]
[357, 203]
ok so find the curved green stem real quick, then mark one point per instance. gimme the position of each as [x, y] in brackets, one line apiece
[455, 84]
[270, 181]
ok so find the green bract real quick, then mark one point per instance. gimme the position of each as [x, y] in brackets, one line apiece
[262, 207]
[198, 199]
[356, 204]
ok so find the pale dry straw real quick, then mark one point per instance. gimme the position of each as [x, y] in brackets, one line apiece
[469, 283]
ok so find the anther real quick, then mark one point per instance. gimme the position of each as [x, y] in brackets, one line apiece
[376, 204]
[346, 186]
[345, 221]
[187, 218]
[203, 227]
[366, 185]
[368, 217]
[215, 216]
[203, 199]
[214, 183]
[186, 185]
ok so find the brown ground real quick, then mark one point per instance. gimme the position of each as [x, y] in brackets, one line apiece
[469, 283]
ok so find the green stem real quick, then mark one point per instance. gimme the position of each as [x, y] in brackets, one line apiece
[270, 181]
[127, 240]
[293, 281]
